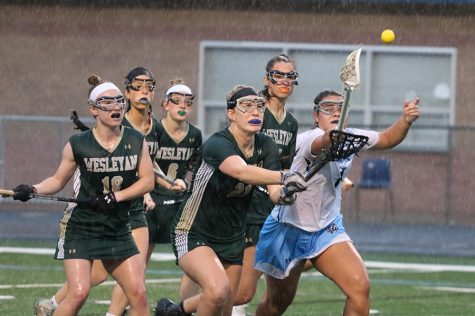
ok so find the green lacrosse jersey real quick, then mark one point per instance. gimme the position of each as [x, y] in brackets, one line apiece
[217, 203]
[285, 136]
[283, 133]
[173, 156]
[102, 171]
[152, 136]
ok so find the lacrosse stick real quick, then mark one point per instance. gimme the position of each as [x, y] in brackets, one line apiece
[343, 145]
[350, 77]
[10, 193]
[159, 173]
[350, 144]
[79, 124]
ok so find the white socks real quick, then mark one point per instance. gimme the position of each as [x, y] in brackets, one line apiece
[239, 310]
[53, 301]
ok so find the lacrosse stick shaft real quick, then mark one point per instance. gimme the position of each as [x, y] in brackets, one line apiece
[344, 109]
[54, 198]
[162, 176]
[8, 193]
[314, 167]
[159, 173]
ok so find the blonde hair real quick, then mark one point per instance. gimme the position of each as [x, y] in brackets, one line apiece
[174, 82]
[237, 88]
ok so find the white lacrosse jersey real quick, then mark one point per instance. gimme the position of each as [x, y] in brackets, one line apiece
[320, 204]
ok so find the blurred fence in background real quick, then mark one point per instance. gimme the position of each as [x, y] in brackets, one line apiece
[428, 187]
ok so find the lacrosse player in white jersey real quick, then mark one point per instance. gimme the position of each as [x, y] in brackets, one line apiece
[312, 228]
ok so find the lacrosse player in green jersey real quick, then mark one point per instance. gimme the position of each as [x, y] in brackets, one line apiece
[279, 83]
[140, 90]
[178, 143]
[140, 87]
[115, 168]
[208, 231]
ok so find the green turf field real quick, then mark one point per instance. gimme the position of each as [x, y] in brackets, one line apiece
[396, 289]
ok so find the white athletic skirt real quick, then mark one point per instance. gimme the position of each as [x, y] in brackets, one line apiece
[281, 246]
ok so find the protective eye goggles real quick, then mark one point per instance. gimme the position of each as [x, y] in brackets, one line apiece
[328, 107]
[175, 98]
[249, 104]
[279, 77]
[139, 84]
[109, 103]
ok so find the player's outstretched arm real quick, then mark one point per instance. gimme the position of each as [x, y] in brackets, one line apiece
[396, 133]
[234, 166]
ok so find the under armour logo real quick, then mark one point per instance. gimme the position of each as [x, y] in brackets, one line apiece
[332, 228]
[108, 200]
[192, 140]
[128, 146]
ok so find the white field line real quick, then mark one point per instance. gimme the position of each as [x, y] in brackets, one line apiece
[427, 267]
[385, 266]
[57, 285]
[48, 251]
[449, 289]
[29, 251]
[424, 267]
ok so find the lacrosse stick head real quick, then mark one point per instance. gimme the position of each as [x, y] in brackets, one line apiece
[343, 144]
[350, 72]
[350, 77]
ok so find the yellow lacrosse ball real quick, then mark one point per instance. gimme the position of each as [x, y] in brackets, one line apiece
[388, 36]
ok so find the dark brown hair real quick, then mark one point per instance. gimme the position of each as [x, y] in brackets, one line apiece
[282, 58]
[324, 94]
[94, 81]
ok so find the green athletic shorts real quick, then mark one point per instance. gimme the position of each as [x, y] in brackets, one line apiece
[230, 252]
[159, 222]
[252, 234]
[137, 219]
[94, 248]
